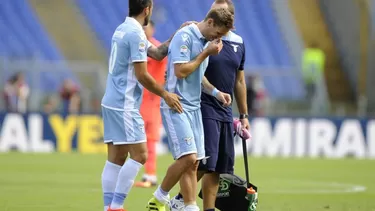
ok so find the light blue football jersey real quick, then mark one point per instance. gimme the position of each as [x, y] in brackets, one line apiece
[129, 44]
[185, 46]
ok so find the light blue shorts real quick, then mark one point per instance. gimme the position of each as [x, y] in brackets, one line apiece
[185, 132]
[123, 127]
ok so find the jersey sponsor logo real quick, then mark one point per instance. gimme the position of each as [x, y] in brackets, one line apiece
[235, 47]
[142, 46]
[184, 49]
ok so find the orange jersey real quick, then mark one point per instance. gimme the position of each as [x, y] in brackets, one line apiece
[150, 108]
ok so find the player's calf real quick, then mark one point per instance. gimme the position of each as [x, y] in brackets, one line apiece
[173, 175]
[188, 183]
[116, 158]
[210, 185]
[127, 174]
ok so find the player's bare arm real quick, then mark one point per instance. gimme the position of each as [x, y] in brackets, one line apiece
[183, 70]
[240, 95]
[210, 89]
[207, 87]
[160, 52]
[149, 83]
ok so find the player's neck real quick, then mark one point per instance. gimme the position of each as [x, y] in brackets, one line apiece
[201, 26]
[141, 20]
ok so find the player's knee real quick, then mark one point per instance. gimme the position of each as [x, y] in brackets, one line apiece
[196, 165]
[117, 158]
[188, 160]
[120, 160]
[140, 157]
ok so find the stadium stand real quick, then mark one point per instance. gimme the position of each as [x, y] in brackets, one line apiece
[22, 35]
[267, 52]
[25, 38]
[67, 26]
[337, 84]
[256, 21]
[345, 30]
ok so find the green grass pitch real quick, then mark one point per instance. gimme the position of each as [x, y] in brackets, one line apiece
[71, 182]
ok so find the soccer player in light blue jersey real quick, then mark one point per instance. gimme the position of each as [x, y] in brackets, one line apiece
[187, 62]
[226, 72]
[123, 125]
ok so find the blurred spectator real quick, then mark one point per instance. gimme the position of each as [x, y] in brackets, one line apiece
[313, 68]
[256, 95]
[251, 95]
[313, 75]
[51, 104]
[16, 93]
[70, 97]
[96, 105]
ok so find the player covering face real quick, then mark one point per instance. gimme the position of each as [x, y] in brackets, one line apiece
[187, 62]
[225, 72]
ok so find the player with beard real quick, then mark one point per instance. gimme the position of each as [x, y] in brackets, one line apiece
[123, 125]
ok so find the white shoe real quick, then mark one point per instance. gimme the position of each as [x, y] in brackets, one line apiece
[176, 204]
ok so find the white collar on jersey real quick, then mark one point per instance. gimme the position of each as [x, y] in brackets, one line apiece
[232, 37]
[134, 22]
[227, 36]
[197, 31]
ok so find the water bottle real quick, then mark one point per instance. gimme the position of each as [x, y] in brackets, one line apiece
[252, 197]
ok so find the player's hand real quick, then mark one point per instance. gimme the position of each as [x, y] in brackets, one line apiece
[188, 23]
[224, 98]
[214, 47]
[245, 124]
[173, 101]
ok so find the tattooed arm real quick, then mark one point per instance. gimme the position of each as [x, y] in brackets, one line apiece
[159, 53]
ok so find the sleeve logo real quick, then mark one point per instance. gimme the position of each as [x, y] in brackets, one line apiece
[185, 37]
[184, 49]
[142, 46]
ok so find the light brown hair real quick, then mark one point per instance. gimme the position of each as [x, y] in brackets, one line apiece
[222, 17]
[229, 3]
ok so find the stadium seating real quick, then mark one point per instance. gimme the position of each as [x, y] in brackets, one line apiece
[266, 51]
[24, 38]
[22, 35]
[255, 22]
